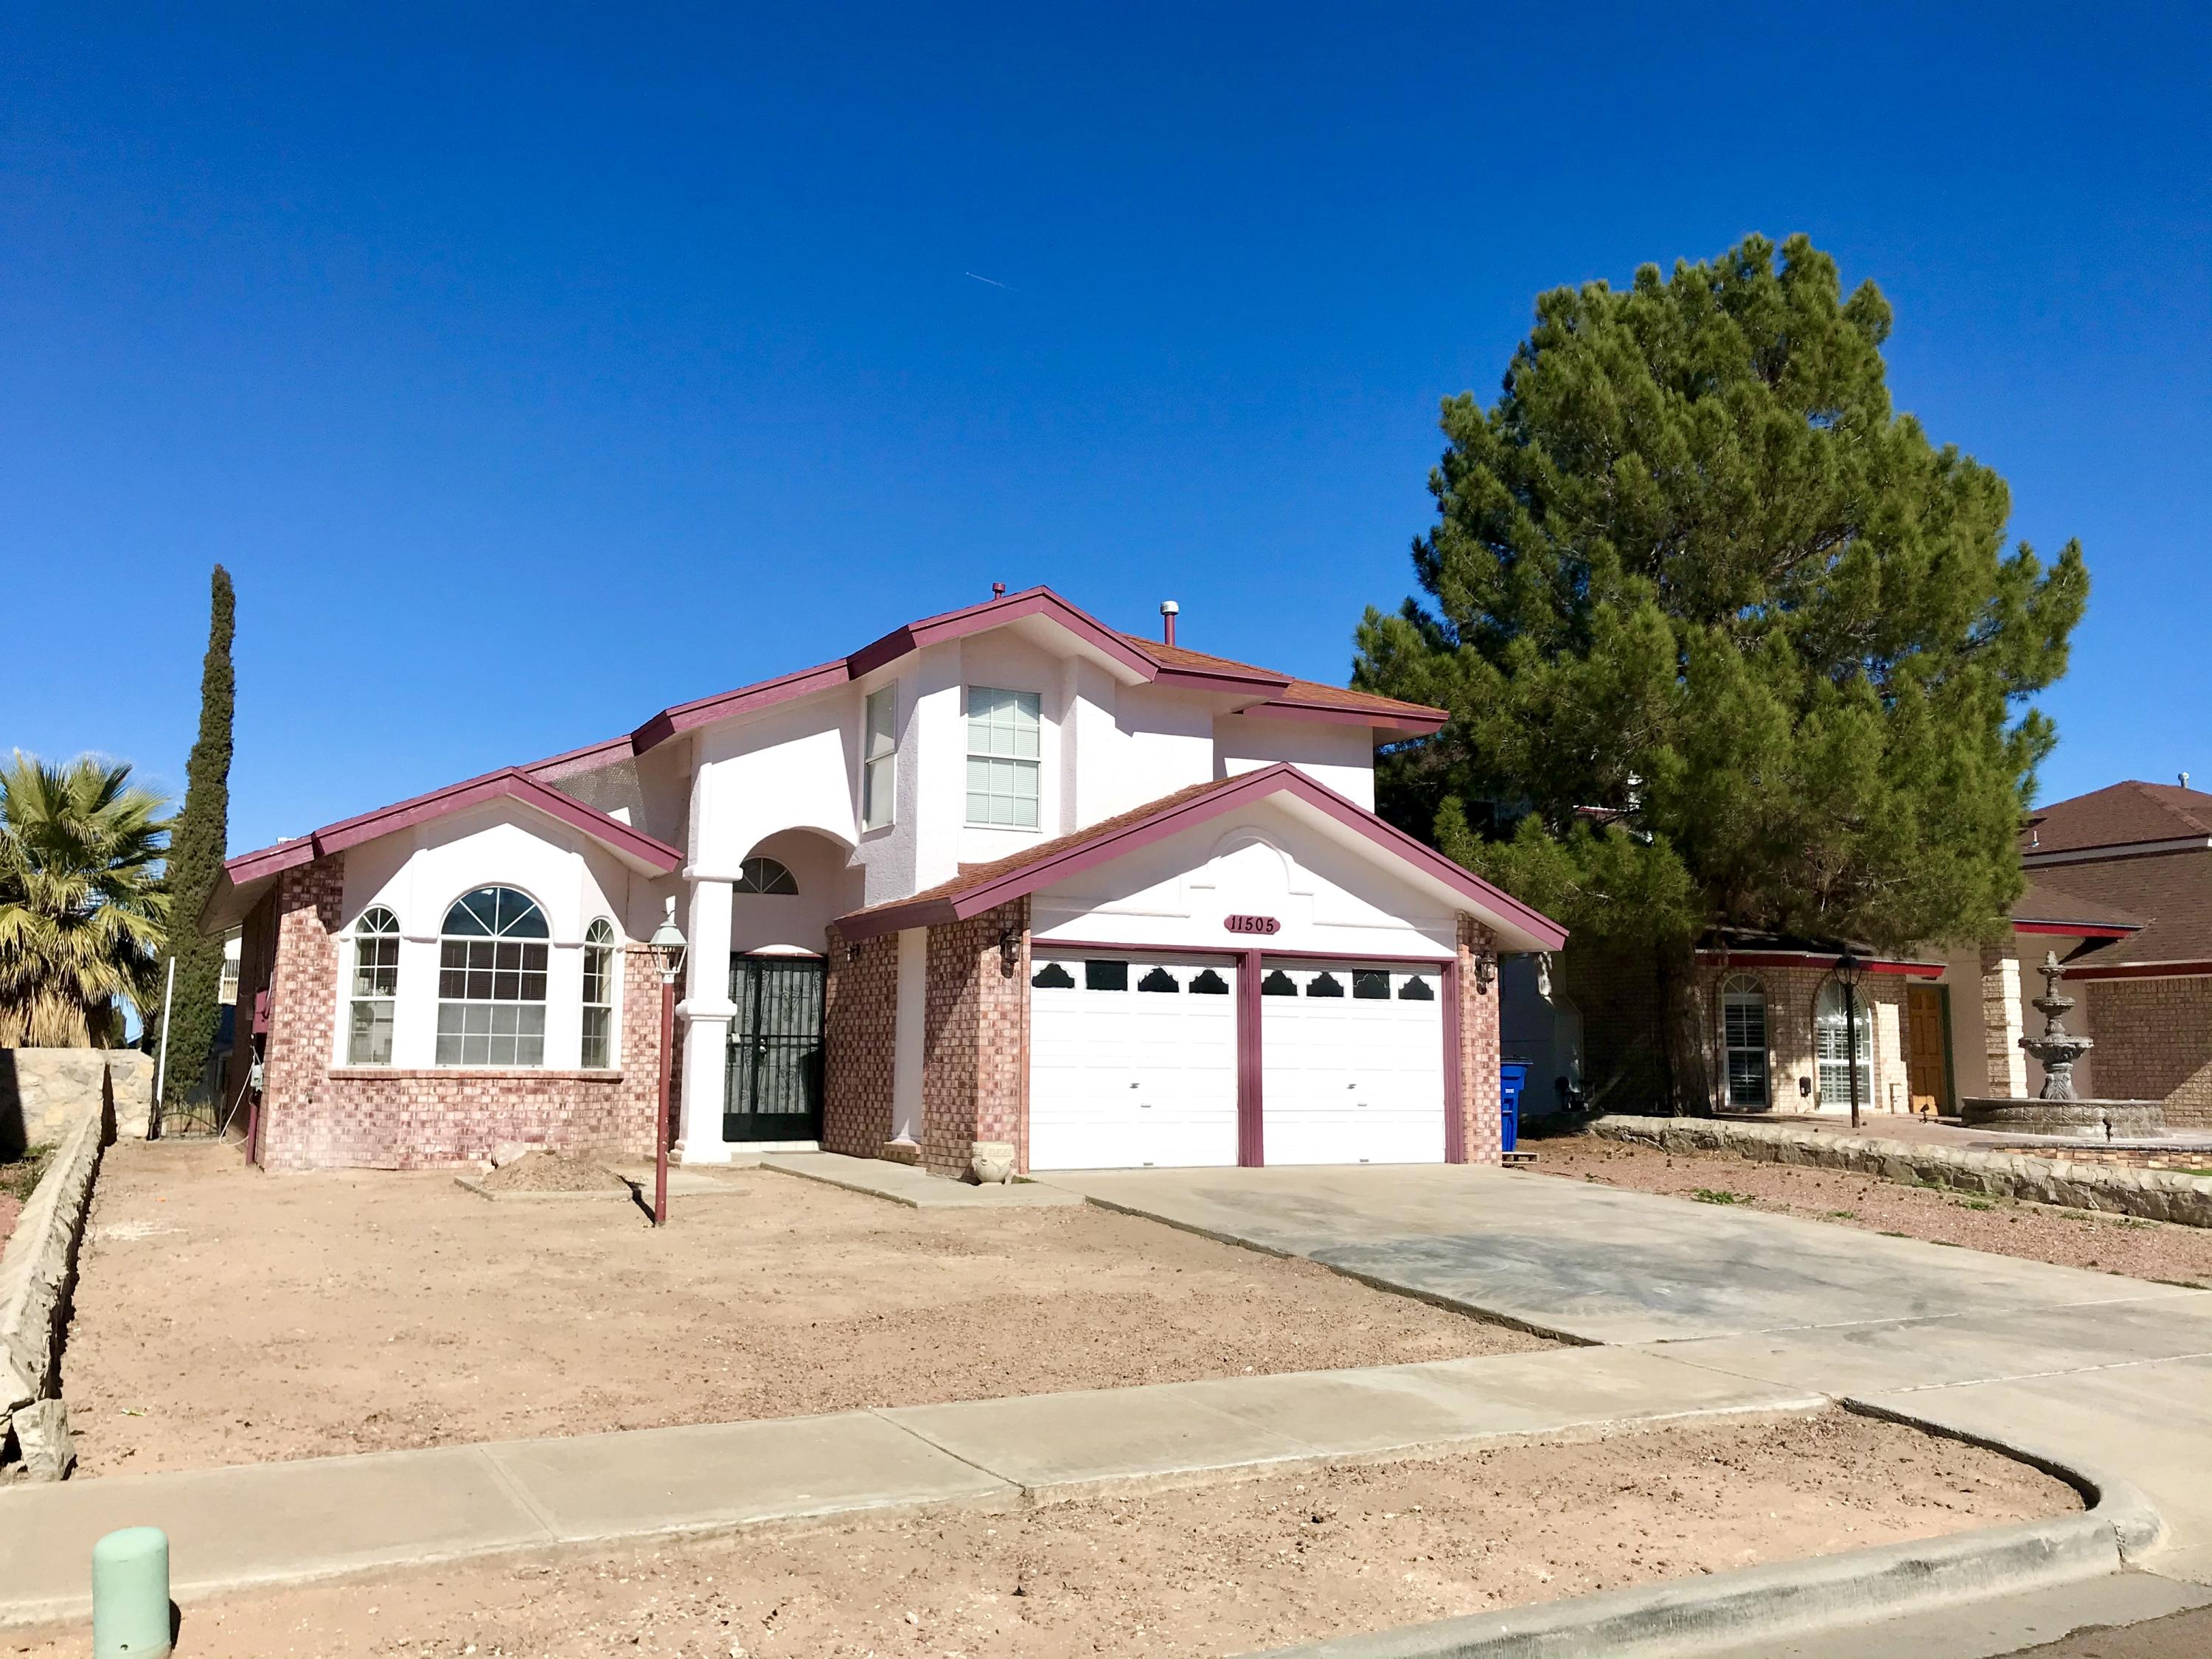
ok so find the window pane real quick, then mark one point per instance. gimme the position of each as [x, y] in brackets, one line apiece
[1053, 977]
[1371, 984]
[597, 1044]
[1324, 985]
[1105, 975]
[1159, 980]
[1209, 984]
[369, 1041]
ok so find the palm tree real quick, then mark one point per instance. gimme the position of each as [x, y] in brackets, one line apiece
[83, 911]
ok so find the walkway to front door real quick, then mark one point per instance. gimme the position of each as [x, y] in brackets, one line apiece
[772, 1088]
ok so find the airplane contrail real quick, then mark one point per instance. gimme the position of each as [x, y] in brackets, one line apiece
[1009, 287]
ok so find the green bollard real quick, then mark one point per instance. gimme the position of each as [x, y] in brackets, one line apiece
[130, 1595]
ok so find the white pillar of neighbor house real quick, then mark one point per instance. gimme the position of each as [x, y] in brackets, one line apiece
[704, 1016]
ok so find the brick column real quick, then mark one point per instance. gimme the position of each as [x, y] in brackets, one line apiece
[1481, 1130]
[975, 1039]
[2006, 1061]
[303, 987]
[860, 1019]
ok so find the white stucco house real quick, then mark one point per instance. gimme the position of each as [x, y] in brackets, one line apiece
[1005, 875]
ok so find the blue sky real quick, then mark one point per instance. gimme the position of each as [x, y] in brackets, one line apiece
[534, 367]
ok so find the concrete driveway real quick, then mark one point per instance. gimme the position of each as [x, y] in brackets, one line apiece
[2116, 1373]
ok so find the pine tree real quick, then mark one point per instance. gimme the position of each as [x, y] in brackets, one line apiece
[196, 854]
[1725, 639]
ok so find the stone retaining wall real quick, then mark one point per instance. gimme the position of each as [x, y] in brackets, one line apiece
[45, 1092]
[2155, 1194]
[37, 1272]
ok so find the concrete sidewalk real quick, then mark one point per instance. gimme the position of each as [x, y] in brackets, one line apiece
[272, 1523]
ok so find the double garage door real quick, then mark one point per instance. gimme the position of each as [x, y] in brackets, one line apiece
[1135, 1059]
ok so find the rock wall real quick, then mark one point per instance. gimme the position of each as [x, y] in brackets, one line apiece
[45, 1092]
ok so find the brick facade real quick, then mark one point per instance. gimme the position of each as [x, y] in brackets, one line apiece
[315, 1116]
[1481, 1110]
[2154, 1039]
[975, 1039]
[860, 1019]
[1793, 1077]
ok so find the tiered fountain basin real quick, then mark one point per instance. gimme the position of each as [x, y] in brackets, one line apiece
[2066, 1120]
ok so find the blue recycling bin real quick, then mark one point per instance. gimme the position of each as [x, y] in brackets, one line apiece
[1512, 1079]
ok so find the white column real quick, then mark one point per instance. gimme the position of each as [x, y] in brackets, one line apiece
[703, 1019]
[909, 1009]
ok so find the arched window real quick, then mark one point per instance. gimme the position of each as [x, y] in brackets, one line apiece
[765, 876]
[376, 987]
[491, 981]
[1831, 1052]
[1743, 1038]
[599, 982]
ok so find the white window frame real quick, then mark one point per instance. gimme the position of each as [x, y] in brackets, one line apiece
[879, 759]
[483, 961]
[1005, 757]
[375, 937]
[1830, 1058]
[1740, 995]
[603, 959]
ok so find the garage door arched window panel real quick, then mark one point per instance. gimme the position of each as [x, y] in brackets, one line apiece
[491, 980]
[1416, 989]
[765, 876]
[1832, 1054]
[1324, 985]
[1053, 976]
[1371, 984]
[1159, 980]
[600, 981]
[1005, 744]
[1105, 974]
[1209, 984]
[1743, 1040]
[376, 987]
[1279, 984]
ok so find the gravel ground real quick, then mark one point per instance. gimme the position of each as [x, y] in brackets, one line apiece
[223, 1315]
[1221, 1569]
[2073, 1238]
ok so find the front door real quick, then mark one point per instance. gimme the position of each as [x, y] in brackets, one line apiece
[773, 1085]
[1927, 1048]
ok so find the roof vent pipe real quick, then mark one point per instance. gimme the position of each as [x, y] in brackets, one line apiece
[1168, 611]
[2184, 779]
[998, 590]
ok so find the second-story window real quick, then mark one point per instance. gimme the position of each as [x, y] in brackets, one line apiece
[880, 758]
[1003, 751]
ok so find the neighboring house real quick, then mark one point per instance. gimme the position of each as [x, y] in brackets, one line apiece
[2119, 889]
[1003, 876]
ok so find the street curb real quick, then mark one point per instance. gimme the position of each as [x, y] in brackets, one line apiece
[1793, 1598]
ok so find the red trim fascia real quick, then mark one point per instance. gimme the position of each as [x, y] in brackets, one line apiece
[1422, 725]
[511, 784]
[766, 694]
[1221, 679]
[996, 613]
[2144, 970]
[2078, 929]
[1455, 1069]
[1282, 778]
[1047, 947]
[1251, 1064]
[1816, 959]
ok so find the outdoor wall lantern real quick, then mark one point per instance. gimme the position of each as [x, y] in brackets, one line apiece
[1010, 950]
[1484, 972]
[1850, 974]
[668, 952]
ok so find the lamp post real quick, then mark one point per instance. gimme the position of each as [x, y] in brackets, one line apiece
[1851, 970]
[667, 947]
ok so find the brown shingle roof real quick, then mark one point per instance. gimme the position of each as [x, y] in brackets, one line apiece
[2048, 898]
[2171, 891]
[2118, 815]
[1311, 692]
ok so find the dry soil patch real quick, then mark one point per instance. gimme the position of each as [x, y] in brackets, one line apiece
[1222, 1569]
[2070, 1238]
[227, 1316]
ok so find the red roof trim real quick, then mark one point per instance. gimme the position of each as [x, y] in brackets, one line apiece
[510, 784]
[1223, 679]
[2077, 929]
[2143, 970]
[764, 693]
[1892, 967]
[1410, 719]
[997, 613]
[924, 911]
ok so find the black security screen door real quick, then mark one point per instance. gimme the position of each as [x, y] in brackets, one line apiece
[773, 1088]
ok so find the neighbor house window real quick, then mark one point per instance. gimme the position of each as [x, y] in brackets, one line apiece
[879, 757]
[1743, 1036]
[491, 981]
[1832, 1054]
[599, 959]
[376, 987]
[1003, 729]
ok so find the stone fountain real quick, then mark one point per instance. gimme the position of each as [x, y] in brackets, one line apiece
[2058, 1110]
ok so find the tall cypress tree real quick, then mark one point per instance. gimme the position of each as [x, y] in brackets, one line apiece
[1726, 640]
[195, 853]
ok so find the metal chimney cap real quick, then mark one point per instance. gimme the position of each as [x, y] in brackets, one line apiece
[1170, 608]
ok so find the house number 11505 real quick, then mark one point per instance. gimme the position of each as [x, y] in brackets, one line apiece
[1252, 925]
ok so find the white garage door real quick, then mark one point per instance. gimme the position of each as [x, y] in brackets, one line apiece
[1132, 1060]
[1352, 1064]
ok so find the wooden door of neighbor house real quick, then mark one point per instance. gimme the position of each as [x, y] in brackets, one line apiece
[1928, 1048]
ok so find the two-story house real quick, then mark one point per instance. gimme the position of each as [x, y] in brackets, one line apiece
[1003, 876]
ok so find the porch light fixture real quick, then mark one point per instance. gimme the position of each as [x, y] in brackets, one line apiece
[1486, 969]
[1850, 974]
[1010, 950]
[668, 953]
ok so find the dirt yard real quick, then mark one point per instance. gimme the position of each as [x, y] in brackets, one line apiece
[1221, 1569]
[227, 1316]
[2071, 1238]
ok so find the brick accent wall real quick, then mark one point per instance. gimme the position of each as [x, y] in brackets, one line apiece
[1791, 994]
[859, 1013]
[314, 1115]
[1481, 1110]
[2154, 1039]
[975, 1039]
[2005, 1063]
